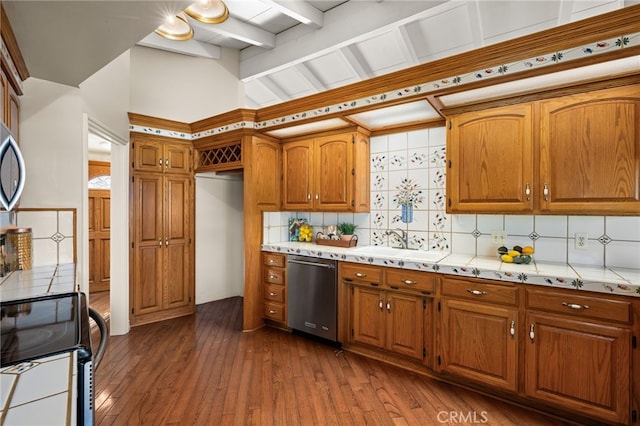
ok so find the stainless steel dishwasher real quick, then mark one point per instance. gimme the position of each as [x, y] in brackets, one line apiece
[312, 296]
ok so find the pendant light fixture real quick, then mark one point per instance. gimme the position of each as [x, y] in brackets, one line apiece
[208, 11]
[175, 28]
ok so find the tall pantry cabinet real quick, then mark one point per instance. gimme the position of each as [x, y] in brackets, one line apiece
[162, 223]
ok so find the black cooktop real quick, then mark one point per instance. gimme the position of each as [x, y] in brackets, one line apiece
[43, 326]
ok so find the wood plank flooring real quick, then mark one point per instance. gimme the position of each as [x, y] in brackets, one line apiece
[203, 370]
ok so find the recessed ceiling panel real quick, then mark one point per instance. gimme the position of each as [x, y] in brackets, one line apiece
[503, 20]
[435, 35]
[395, 115]
[557, 79]
[382, 53]
[332, 70]
[586, 9]
[292, 82]
[318, 126]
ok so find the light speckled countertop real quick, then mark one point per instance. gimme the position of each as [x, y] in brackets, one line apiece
[623, 281]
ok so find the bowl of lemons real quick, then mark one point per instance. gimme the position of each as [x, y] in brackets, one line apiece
[517, 254]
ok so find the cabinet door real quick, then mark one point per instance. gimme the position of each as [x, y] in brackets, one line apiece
[4, 94]
[578, 365]
[332, 173]
[479, 342]
[177, 243]
[177, 158]
[368, 312]
[490, 158]
[13, 112]
[267, 168]
[297, 163]
[147, 264]
[590, 152]
[147, 156]
[404, 324]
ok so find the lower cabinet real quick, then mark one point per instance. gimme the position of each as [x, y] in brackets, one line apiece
[576, 356]
[274, 282]
[388, 320]
[478, 334]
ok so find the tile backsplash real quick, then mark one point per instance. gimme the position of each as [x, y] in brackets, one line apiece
[418, 158]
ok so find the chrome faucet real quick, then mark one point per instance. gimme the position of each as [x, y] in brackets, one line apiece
[402, 236]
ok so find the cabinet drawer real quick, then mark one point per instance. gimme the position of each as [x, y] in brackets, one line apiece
[358, 272]
[400, 279]
[274, 311]
[483, 292]
[274, 275]
[274, 259]
[274, 293]
[581, 305]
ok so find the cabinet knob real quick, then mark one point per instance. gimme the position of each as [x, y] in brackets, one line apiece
[476, 292]
[160, 242]
[317, 196]
[512, 329]
[545, 192]
[166, 162]
[271, 261]
[160, 162]
[308, 196]
[532, 335]
[273, 277]
[527, 192]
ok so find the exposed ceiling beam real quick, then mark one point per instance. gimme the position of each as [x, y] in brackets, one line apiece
[188, 47]
[240, 31]
[300, 11]
[356, 62]
[274, 88]
[405, 43]
[310, 77]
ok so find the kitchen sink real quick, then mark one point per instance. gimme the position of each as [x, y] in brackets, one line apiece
[398, 253]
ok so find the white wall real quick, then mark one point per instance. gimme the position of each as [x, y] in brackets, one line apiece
[219, 238]
[51, 129]
[184, 88]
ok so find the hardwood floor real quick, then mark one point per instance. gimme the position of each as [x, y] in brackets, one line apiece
[203, 370]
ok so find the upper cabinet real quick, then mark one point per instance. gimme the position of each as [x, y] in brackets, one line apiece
[327, 173]
[157, 154]
[490, 160]
[577, 154]
[590, 152]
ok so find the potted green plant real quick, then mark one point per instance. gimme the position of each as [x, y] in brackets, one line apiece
[346, 230]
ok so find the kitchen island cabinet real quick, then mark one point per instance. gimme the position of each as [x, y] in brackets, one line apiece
[585, 146]
[326, 173]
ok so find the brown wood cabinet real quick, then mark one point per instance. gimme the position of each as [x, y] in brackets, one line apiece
[159, 155]
[9, 105]
[578, 353]
[274, 279]
[384, 317]
[161, 204]
[590, 152]
[479, 332]
[327, 173]
[587, 153]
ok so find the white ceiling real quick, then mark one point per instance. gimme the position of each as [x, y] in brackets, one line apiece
[288, 49]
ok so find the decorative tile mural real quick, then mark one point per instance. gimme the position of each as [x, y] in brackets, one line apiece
[419, 157]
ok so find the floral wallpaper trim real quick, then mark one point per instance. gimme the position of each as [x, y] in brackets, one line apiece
[549, 59]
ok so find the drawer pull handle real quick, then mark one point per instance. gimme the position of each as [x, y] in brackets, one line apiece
[409, 282]
[477, 292]
[273, 277]
[271, 261]
[575, 306]
[512, 329]
[360, 275]
[272, 294]
[527, 192]
[271, 311]
[380, 304]
[545, 192]
[388, 306]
